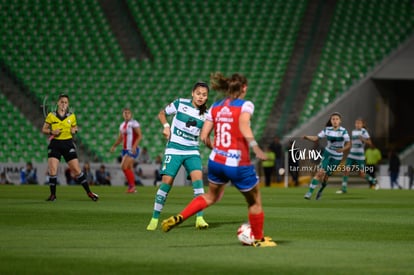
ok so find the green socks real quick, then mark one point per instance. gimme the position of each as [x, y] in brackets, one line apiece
[370, 179]
[198, 190]
[344, 183]
[314, 183]
[160, 199]
[162, 193]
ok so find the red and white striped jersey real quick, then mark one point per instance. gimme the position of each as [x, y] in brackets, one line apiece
[230, 147]
[127, 130]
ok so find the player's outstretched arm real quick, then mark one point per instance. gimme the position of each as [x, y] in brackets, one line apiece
[311, 138]
[205, 133]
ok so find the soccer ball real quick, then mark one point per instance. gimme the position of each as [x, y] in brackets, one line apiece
[244, 234]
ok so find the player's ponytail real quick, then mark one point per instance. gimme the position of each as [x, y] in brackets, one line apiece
[232, 86]
[236, 84]
[219, 82]
[202, 109]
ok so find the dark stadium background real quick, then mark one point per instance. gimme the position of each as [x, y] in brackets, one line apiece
[303, 58]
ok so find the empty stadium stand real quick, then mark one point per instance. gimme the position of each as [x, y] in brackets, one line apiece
[67, 47]
[60, 46]
[361, 35]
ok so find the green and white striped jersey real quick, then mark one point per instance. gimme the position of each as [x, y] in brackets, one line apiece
[358, 147]
[185, 127]
[335, 140]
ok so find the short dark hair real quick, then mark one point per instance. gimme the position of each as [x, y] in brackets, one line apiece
[63, 95]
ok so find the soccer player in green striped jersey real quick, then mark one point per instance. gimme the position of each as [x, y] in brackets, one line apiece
[338, 141]
[355, 161]
[182, 148]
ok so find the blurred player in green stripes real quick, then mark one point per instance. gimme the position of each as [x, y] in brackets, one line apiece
[355, 161]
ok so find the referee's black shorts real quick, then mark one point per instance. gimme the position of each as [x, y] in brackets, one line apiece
[58, 148]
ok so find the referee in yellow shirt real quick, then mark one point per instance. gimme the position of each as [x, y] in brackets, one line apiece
[60, 125]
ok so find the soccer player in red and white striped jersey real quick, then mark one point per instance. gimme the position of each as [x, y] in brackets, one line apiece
[129, 135]
[229, 159]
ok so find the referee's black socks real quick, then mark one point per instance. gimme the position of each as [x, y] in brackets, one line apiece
[52, 185]
[81, 179]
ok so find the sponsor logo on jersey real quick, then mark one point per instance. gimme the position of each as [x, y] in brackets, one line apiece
[227, 154]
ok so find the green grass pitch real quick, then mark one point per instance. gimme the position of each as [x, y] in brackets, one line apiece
[362, 232]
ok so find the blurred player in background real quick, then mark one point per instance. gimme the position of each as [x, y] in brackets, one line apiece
[230, 160]
[394, 168]
[277, 148]
[338, 142]
[182, 148]
[268, 165]
[355, 161]
[130, 135]
[373, 157]
[61, 125]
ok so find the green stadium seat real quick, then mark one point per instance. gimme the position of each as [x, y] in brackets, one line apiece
[361, 34]
[86, 61]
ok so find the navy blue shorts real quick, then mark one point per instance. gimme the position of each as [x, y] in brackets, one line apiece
[129, 153]
[243, 177]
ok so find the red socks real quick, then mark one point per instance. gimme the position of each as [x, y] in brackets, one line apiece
[196, 205]
[199, 203]
[256, 223]
[130, 177]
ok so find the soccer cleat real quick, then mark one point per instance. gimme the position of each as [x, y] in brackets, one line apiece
[340, 192]
[51, 198]
[308, 196]
[264, 243]
[318, 195]
[93, 196]
[201, 223]
[131, 190]
[153, 224]
[171, 222]
[376, 186]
